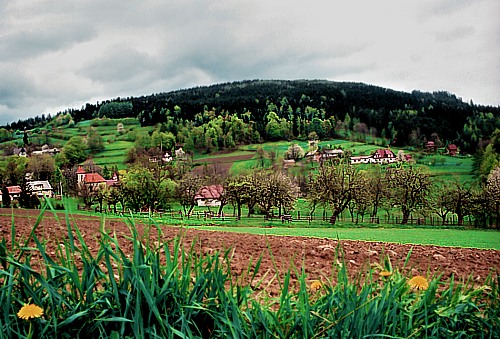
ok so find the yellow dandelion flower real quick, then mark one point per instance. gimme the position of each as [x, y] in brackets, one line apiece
[29, 311]
[316, 285]
[385, 274]
[418, 283]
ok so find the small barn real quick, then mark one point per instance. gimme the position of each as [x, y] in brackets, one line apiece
[14, 192]
[452, 149]
[431, 146]
[209, 196]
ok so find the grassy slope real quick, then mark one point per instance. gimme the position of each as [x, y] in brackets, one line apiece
[115, 150]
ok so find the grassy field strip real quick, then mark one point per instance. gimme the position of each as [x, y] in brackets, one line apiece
[441, 237]
[110, 160]
[111, 153]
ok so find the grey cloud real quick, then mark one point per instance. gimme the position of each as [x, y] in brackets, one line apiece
[35, 41]
[455, 34]
[447, 7]
[15, 88]
[118, 63]
[129, 48]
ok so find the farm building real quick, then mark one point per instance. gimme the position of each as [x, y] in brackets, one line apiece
[209, 196]
[41, 188]
[332, 153]
[380, 156]
[20, 152]
[320, 156]
[431, 146]
[287, 163]
[46, 150]
[92, 180]
[14, 192]
[452, 149]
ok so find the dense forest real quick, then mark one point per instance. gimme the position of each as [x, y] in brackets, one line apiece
[223, 115]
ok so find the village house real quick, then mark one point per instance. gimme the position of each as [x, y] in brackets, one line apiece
[431, 146]
[167, 157]
[311, 153]
[326, 154]
[287, 163]
[14, 192]
[91, 180]
[180, 154]
[331, 153]
[209, 196]
[20, 152]
[380, 156]
[452, 149]
[41, 188]
[46, 150]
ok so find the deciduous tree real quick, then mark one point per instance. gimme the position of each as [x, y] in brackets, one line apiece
[410, 188]
[335, 186]
[187, 188]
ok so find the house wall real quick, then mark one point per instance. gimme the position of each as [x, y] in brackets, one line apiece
[208, 202]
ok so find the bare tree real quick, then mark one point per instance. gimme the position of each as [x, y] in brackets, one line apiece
[336, 186]
[187, 188]
[86, 194]
[452, 197]
[276, 190]
[410, 188]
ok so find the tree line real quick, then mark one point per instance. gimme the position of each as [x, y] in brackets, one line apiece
[281, 110]
[335, 188]
[267, 189]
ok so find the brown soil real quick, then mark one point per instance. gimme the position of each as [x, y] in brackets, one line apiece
[317, 256]
[219, 165]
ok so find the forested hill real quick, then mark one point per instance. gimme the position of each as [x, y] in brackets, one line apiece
[304, 106]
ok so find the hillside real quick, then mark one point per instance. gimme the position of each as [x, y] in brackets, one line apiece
[330, 109]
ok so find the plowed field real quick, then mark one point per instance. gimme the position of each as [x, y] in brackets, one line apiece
[317, 256]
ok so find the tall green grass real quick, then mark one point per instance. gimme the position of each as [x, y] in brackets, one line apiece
[165, 290]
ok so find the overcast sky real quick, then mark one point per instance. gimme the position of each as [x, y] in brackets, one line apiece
[61, 54]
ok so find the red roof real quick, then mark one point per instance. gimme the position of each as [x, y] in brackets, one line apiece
[14, 189]
[384, 153]
[91, 178]
[80, 170]
[209, 192]
[452, 147]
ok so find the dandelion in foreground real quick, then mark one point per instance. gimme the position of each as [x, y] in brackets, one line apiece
[385, 274]
[418, 283]
[29, 311]
[316, 285]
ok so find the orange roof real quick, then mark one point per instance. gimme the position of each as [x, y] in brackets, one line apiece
[80, 170]
[91, 178]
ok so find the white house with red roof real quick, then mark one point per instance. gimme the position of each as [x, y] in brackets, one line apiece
[381, 156]
[14, 192]
[92, 180]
